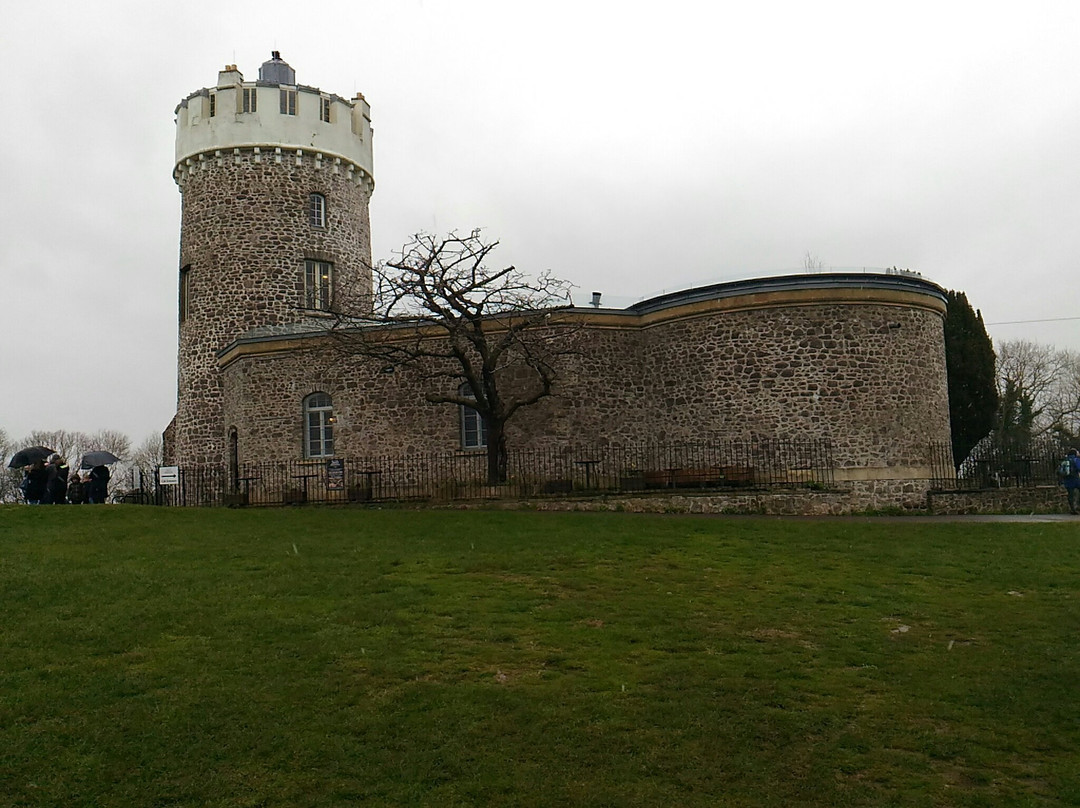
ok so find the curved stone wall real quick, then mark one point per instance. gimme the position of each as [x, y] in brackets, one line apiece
[245, 235]
[862, 364]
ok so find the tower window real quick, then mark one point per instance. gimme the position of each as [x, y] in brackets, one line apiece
[288, 102]
[317, 210]
[473, 428]
[185, 291]
[251, 99]
[213, 104]
[318, 277]
[318, 425]
[324, 109]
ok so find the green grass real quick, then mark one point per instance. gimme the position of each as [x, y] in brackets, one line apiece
[157, 657]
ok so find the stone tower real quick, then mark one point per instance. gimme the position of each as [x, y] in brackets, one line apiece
[275, 178]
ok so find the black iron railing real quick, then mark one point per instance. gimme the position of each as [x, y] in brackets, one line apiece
[1022, 465]
[530, 473]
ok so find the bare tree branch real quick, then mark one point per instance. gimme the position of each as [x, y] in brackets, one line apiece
[489, 339]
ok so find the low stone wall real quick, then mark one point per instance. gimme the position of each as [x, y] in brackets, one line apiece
[1038, 499]
[910, 496]
[860, 497]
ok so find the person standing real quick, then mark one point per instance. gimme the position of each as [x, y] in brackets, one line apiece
[1071, 481]
[98, 485]
[76, 491]
[56, 485]
[35, 479]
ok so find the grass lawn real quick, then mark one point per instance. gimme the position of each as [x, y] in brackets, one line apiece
[320, 657]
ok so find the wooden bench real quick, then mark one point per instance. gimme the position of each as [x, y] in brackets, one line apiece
[685, 478]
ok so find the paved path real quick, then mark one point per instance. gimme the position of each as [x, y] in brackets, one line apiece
[940, 518]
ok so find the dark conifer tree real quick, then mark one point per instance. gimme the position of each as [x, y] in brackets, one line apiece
[970, 360]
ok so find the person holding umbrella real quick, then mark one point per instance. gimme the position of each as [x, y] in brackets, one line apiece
[98, 486]
[35, 480]
[56, 486]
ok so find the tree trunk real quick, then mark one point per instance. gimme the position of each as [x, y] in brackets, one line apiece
[496, 453]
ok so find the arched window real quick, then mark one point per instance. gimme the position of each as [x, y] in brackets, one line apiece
[317, 210]
[318, 425]
[473, 428]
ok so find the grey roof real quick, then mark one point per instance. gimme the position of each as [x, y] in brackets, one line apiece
[277, 71]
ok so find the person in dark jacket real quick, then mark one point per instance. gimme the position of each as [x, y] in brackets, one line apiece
[76, 490]
[35, 479]
[99, 485]
[1071, 481]
[56, 486]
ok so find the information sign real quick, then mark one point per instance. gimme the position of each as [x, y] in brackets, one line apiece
[335, 474]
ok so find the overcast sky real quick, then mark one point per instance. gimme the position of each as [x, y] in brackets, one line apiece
[630, 148]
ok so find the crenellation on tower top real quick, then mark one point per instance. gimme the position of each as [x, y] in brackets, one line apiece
[274, 112]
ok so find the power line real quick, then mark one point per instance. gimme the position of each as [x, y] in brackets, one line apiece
[1048, 320]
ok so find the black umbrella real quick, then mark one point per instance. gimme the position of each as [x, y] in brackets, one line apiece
[26, 457]
[102, 458]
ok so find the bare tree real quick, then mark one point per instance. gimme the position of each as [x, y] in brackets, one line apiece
[1063, 402]
[10, 478]
[66, 443]
[147, 457]
[811, 263]
[488, 339]
[1050, 378]
[110, 441]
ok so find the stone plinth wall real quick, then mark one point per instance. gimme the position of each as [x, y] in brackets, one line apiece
[245, 235]
[857, 498]
[1039, 499]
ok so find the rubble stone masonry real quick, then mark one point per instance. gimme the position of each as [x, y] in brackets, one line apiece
[863, 366]
[245, 236]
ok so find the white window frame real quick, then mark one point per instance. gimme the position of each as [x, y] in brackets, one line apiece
[213, 105]
[319, 425]
[250, 100]
[318, 284]
[324, 109]
[317, 210]
[288, 101]
[473, 426]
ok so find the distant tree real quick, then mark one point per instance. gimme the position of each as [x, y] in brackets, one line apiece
[1050, 378]
[811, 263]
[147, 457]
[1014, 428]
[1064, 404]
[9, 478]
[66, 443]
[111, 441]
[488, 339]
[972, 382]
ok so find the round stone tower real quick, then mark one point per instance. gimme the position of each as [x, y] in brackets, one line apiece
[275, 178]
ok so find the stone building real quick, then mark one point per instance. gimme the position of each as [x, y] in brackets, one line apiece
[276, 179]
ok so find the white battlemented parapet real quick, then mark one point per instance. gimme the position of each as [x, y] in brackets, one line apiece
[275, 118]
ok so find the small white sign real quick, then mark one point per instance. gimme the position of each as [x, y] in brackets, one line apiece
[168, 475]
